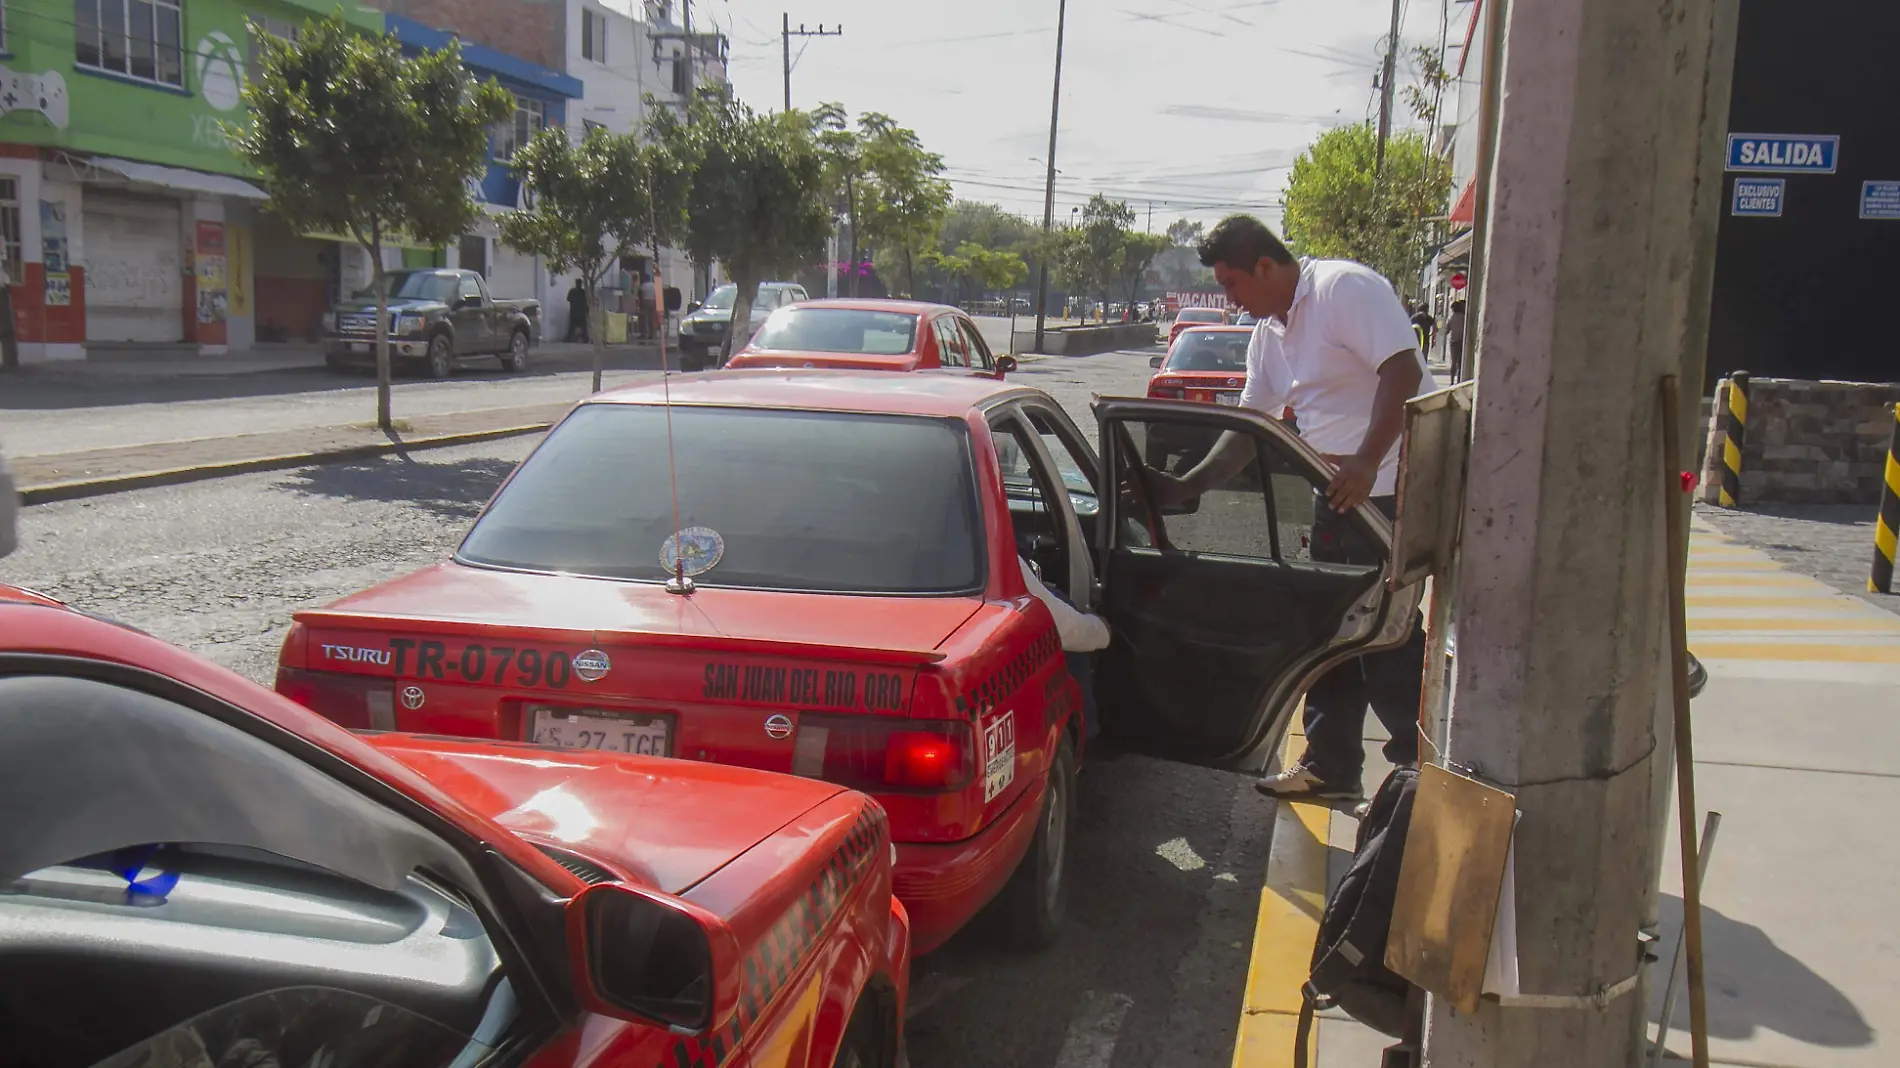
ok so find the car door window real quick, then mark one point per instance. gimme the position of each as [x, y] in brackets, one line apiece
[951, 349]
[470, 288]
[974, 344]
[1226, 603]
[1037, 515]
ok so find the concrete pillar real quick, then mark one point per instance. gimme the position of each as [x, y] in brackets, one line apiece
[1602, 228]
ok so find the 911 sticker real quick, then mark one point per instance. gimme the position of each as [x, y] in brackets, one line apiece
[999, 756]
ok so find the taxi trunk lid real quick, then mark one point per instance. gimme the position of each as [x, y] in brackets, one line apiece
[474, 652]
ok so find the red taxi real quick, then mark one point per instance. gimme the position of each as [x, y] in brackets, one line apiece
[1204, 363]
[826, 582]
[871, 335]
[215, 875]
[1190, 317]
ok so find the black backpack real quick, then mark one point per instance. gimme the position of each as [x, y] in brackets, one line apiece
[1348, 967]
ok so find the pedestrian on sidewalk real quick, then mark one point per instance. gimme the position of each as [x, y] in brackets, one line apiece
[1455, 338]
[649, 309]
[577, 311]
[1335, 345]
[1426, 325]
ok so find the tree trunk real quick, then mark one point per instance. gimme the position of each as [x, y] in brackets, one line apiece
[746, 281]
[597, 328]
[851, 211]
[381, 284]
[910, 277]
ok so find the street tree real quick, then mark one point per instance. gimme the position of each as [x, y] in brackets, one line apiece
[1425, 98]
[754, 199]
[349, 136]
[986, 268]
[843, 155]
[1184, 234]
[590, 206]
[1138, 254]
[1091, 259]
[906, 197]
[1339, 206]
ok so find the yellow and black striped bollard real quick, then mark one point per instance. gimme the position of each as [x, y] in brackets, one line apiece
[1887, 527]
[1737, 427]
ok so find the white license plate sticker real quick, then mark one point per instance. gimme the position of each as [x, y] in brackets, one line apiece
[359, 346]
[583, 729]
[1232, 400]
[999, 756]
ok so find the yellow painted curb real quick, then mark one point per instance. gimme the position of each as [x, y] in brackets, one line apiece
[1288, 922]
[1792, 651]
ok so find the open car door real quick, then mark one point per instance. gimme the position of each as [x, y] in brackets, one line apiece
[1228, 607]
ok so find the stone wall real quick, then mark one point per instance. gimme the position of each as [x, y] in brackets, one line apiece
[1806, 442]
[1087, 340]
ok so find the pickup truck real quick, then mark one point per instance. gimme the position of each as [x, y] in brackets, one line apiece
[438, 319]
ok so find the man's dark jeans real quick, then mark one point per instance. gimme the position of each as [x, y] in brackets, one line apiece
[1389, 682]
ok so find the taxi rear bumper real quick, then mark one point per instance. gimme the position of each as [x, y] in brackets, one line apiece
[944, 885]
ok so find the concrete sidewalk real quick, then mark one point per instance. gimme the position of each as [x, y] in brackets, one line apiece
[1798, 746]
[63, 476]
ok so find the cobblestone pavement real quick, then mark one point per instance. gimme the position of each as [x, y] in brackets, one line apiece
[1830, 542]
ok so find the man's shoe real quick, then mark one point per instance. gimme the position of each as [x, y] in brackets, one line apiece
[1301, 783]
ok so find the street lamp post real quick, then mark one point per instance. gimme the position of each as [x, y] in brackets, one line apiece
[1049, 182]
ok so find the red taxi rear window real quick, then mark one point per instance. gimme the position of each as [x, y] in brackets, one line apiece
[835, 502]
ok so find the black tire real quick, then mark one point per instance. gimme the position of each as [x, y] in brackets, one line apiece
[337, 364]
[863, 1045]
[516, 358]
[440, 362]
[1034, 904]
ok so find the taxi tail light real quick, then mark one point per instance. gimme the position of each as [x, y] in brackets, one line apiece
[878, 753]
[1168, 394]
[354, 701]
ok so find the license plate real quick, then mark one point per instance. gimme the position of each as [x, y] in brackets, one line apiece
[1232, 400]
[605, 731]
[359, 346]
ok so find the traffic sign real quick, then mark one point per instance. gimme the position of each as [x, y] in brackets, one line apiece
[1458, 280]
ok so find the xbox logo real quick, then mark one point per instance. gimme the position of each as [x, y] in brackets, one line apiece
[220, 71]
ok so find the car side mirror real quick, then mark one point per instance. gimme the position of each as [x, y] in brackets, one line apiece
[693, 307]
[1155, 362]
[470, 302]
[1006, 365]
[644, 956]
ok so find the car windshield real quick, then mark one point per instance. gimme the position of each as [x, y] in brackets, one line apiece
[879, 333]
[417, 285]
[1210, 350]
[721, 299]
[835, 502]
[1201, 315]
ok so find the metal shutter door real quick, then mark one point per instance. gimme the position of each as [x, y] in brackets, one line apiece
[135, 288]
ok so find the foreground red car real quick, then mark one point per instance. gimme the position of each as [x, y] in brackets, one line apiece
[215, 875]
[838, 592]
[871, 335]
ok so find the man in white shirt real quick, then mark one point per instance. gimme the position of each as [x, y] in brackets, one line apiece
[1335, 344]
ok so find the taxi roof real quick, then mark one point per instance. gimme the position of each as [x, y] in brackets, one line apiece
[883, 304]
[943, 395]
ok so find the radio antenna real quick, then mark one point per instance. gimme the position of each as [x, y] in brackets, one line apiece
[679, 583]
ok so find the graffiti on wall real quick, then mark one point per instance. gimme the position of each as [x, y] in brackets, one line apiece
[54, 253]
[213, 295]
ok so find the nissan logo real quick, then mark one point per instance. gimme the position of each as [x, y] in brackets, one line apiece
[778, 725]
[592, 665]
[412, 697]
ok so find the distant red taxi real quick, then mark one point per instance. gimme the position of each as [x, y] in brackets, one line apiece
[1204, 363]
[220, 876]
[1192, 317]
[827, 581]
[871, 335]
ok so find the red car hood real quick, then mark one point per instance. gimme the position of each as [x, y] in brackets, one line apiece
[562, 605]
[665, 823]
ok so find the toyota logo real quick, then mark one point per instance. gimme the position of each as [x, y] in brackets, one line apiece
[592, 665]
[412, 697]
[778, 726]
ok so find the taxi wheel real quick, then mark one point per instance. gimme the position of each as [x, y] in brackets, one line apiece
[862, 1047]
[1035, 901]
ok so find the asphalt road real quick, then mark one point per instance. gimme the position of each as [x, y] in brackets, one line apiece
[1165, 873]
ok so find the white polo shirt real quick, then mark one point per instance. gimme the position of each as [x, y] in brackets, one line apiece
[1323, 360]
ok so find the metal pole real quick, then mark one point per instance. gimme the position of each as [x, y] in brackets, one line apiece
[1710, 824]
[785, 39]
[1386, 88]
[1887, 521]
[1049, 182]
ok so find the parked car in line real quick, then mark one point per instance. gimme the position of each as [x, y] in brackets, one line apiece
[872, 335]
[1196, 317]
[703, 331]
[840, 595]
[199, 871]
[1203, 363]
[439, 320]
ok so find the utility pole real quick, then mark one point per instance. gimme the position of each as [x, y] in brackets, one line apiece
[1611, 122]
[786, 33]
[1386, 88]
[1049, 183]
[686, 56]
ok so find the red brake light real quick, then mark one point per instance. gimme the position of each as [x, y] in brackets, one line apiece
[1159, 393]
[879, 753]
[354, 701]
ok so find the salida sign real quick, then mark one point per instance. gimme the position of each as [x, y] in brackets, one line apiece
[1789, 153]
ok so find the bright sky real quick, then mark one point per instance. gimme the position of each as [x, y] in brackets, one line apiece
[1197, 106]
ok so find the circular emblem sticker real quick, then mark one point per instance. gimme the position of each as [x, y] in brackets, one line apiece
[778, 726]
[412, 697]
[695, 550]
[592, 665]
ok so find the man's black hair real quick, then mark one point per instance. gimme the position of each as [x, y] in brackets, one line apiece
[1458, 305]
[1241, 242]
